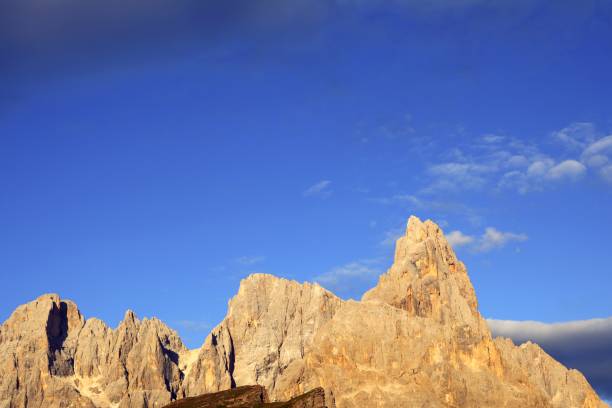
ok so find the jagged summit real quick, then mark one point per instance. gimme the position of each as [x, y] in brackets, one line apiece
[426, 278]
[415, 339]
[50, 355]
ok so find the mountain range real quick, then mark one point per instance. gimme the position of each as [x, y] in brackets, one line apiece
[416, 339]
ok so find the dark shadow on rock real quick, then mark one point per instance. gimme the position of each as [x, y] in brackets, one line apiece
[57, 332]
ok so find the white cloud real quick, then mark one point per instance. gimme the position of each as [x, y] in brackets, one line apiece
[457, 238]
[568, 169]
[493, 238]
[319, 189]
[250, 260]
[542, 170]
[348, 275]
[507, 163]
[598, 156]
[539, 168]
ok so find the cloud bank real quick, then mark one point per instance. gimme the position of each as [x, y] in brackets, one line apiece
[585, 345]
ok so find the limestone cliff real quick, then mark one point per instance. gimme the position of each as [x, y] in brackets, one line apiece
[51, 357]
[416, 339]
[270, 325]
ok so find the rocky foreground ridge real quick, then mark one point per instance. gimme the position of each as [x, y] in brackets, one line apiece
[250, 396]
[415, 340]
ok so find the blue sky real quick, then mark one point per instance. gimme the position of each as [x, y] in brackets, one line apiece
[151, 157]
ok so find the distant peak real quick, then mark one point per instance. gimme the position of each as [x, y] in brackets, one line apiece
[129, 316]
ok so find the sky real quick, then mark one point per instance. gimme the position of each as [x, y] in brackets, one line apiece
[152, 154]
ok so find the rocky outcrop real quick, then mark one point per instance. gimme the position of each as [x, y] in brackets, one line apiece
[241, 397]
[415, 339]
[562, 387]
[249, 397]
[270, 325]
[37, 348]
[51, 357]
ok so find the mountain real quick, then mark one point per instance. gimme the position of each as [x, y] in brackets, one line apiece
[414, 340]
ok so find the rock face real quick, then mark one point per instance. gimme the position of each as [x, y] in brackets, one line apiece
[269, 327]
[51, 357]
[415, 340]
[250, 396]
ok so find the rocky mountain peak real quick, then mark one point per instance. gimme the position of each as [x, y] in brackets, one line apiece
[129, 317]
[48, 346]
[427, 280]
[268, 330]
[423, 240]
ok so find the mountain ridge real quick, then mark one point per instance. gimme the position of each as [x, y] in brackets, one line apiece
[415, 339]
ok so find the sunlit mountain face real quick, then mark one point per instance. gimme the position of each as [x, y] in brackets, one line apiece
[154, 155]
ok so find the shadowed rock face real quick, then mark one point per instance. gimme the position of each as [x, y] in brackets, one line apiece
[249, 397]
[415, 339]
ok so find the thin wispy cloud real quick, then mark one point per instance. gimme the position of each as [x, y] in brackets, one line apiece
[354, 275]
[505, 163]
[438, 208]
[585, 345]
[391, 236]
[399, 199]
[194, 325]
[576, 136]
[319, 189]
[455, 176]
[402, 128]
[250, 260]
